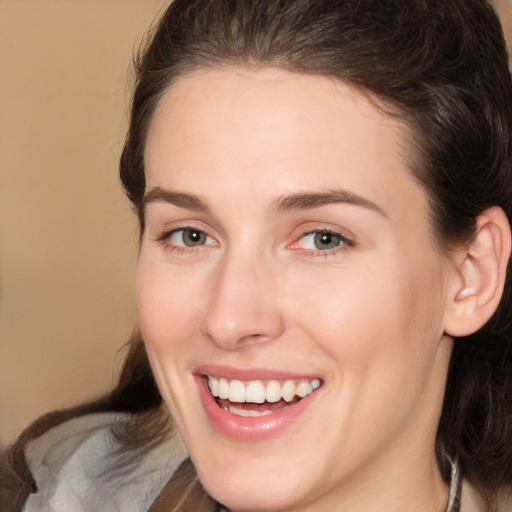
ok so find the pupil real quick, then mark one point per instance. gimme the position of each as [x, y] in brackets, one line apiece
[326, 238]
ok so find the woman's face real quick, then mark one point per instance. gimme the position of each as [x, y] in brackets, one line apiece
[288, 251]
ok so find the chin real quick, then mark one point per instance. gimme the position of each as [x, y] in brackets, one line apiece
[253, 493]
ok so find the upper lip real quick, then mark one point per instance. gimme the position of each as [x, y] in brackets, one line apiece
[248, 374]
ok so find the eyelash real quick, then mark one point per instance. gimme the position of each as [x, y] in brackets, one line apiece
[344, 243]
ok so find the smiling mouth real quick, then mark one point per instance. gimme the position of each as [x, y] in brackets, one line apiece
[259, 398]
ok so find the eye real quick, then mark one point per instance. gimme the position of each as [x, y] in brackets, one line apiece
[321, 240]
[189, 237]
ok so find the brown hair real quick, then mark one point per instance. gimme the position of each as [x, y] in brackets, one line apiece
[442, 67]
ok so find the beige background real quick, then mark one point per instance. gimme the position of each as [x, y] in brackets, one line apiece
[67, 236]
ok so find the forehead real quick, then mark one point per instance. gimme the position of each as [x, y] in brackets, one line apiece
[263, 100]
[269, 129]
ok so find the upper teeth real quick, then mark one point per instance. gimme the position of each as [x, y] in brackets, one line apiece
[256, 392]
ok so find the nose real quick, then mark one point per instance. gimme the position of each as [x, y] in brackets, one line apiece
[242, 307]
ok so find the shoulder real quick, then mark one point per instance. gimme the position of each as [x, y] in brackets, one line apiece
[79, 465]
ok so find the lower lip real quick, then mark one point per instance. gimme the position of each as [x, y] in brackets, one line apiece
[249, 428]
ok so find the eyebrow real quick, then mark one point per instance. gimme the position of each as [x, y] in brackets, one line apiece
[287, 203]
[309, 200]
[162, 195]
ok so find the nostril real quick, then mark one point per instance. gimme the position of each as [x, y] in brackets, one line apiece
[255, 339]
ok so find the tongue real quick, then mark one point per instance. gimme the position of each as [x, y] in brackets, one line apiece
[265, 406]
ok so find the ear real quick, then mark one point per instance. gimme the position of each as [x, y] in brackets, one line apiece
[476, 285]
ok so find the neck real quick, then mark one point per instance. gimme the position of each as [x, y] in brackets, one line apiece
[417, 487]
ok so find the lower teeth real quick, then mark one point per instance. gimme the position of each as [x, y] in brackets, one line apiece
[247, 413]
[253, 410]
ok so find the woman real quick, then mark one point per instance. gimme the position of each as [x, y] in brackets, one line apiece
[324, 194]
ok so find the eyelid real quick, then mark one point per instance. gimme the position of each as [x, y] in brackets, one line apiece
[171, 231]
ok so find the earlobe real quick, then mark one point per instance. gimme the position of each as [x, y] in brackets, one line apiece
[477, 284]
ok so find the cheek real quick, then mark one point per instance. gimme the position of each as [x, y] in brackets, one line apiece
[376, 318]
[166, 313]
[382, 333]
[168, 316]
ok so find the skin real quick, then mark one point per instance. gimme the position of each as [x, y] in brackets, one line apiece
[366, 317]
